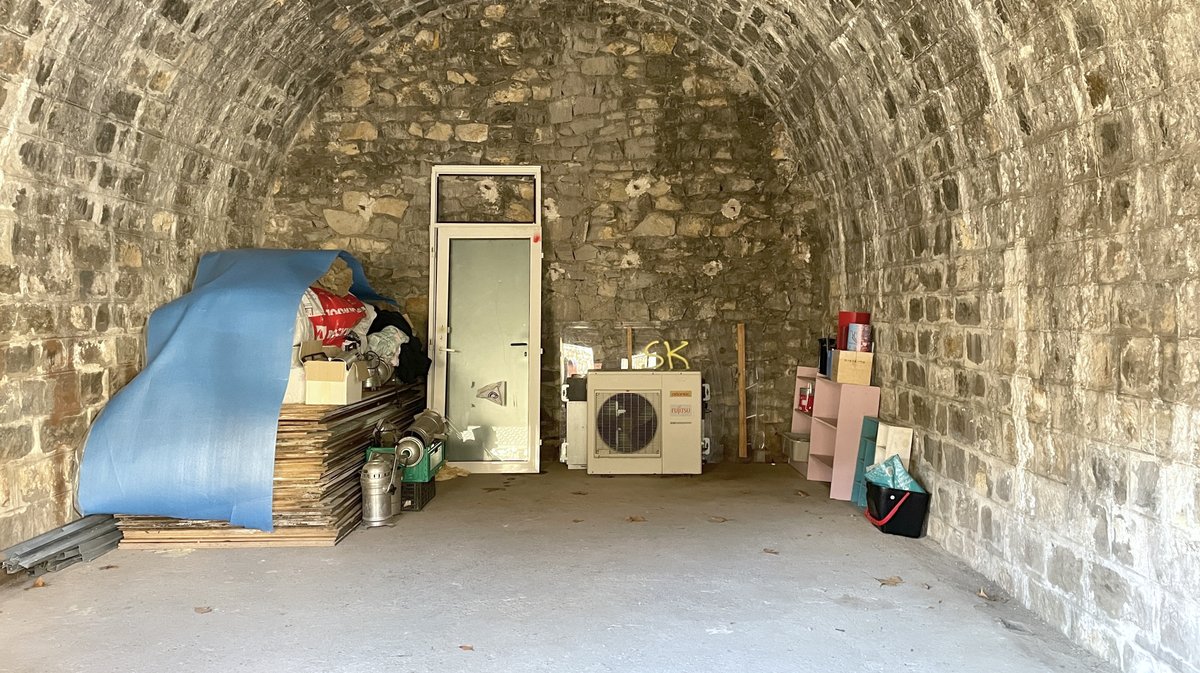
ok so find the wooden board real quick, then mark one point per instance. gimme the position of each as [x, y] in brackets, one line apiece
[743, 449]
[316, 498]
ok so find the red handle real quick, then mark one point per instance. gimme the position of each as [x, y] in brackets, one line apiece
[884, 520]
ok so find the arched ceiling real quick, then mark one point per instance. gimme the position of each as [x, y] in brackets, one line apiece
[859, 85]
[854, 81]
[800, 53]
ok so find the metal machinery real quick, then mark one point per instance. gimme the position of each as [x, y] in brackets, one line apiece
[644, 422]
[392, 451]
[574, 449]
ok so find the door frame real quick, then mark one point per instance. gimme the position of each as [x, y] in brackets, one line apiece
[440, 235]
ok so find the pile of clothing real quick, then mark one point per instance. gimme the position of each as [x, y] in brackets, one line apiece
[374, 331]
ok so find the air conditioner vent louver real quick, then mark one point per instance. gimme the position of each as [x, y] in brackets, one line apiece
[628, 423]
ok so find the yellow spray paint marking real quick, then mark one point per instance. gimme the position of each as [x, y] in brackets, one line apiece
[670, 357]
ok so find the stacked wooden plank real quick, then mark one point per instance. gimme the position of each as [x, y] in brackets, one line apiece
[317, 501]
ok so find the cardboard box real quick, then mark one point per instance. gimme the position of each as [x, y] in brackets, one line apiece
[331, 381]
[893, 440]
[852, 367]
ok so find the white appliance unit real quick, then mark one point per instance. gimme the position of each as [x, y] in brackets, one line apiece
[643, 422]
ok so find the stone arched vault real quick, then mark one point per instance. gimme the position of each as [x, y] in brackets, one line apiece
[1010, 184]
[670, 186]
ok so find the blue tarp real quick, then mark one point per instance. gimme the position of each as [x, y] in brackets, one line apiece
[193, 435]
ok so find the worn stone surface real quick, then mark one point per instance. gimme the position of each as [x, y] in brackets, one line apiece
[1010, 186]
[1014, 199]
[137, 135]
[636, 147]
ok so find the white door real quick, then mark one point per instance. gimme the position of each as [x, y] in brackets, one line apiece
[485, 336]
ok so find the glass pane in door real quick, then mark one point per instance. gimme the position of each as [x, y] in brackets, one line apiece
[487, 359]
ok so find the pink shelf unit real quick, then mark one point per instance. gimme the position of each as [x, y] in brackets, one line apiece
[836, 426]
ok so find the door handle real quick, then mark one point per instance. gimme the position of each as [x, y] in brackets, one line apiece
[449, 350]
[519, 343]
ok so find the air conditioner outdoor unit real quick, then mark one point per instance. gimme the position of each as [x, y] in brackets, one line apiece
[643, 422]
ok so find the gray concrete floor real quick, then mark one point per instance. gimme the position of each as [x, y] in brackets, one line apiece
[545, 573]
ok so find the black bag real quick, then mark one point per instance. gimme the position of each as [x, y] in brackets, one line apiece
[896, 512]
[414, 362]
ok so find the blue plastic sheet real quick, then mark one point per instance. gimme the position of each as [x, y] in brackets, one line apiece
[193, 435]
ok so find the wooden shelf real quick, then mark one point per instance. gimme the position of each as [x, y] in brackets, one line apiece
[831, 422]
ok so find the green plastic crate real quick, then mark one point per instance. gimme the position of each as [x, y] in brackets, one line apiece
[427, 468]
[423, 471]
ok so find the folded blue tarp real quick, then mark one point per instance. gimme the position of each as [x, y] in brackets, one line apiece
[193, 435]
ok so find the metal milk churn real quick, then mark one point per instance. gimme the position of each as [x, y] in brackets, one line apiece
[376, 478]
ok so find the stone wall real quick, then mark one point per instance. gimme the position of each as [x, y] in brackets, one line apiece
[670, 192]
[1021, 217]
[1008, 184]
[136, 136]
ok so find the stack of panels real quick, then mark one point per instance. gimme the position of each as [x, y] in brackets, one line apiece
[85, 539]
[317, 501]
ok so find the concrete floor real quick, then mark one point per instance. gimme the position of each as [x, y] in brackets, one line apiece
[545, 573]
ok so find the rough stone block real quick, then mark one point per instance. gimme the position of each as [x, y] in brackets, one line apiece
[561, 111]
[1065, 569]
[471, 133]
[345, 224]
[655, 224]
[599, 66]
[358, 131]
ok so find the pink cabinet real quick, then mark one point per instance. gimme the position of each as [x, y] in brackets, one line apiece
[834, 429]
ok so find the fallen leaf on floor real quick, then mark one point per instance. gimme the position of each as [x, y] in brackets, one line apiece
[767, 550]
[576, 520]
[203, 610]
[984, 595]
[450, 472]
[717, 519]
[39, 583]
[802, 494]
[108, 567]
[892, 581]
[493, 489]
[635, 519]
[467, 648]
[578, 492]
